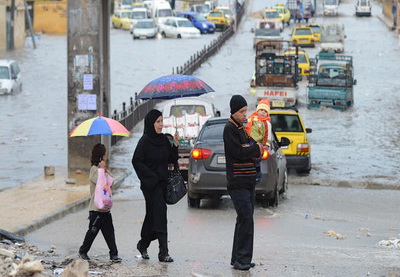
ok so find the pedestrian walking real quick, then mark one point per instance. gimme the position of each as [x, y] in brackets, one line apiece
[151, 158]
[394, 13]
[99, 219]
[241, 181]
[259, 128]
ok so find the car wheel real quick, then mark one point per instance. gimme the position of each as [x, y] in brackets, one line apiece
[285, 184]
[193, 202]
[178, 36]
[163, 34]
[274, 201]
[134, 37]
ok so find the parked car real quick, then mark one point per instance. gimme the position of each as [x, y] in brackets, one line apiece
[10, 77]
[121, 19]
[303, 60]
[303, 36]
[199, 21]
[145, 28]
[288, 123]
[138, 13]
[220, 20]
[330, 7]
[363, 8]
[202, 9]
[207, 172]
[177, 27]
[273, 14]
[284, 13]
[316, 28]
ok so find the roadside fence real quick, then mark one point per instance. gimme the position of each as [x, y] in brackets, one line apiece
[137, 109]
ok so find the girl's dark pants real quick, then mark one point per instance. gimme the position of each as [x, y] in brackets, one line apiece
[100, 221]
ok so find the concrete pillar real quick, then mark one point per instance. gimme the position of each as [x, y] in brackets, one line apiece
[88, 77]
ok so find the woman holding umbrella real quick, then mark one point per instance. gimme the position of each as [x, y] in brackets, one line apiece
[150, 160]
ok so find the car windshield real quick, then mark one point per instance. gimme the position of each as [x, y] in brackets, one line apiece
[164, 13]
[272, 14]
[4, 73]
[184, 23]
[145, 24]
[215, 14]
[286, 123]
[138, 15]
[126, 14]
[187, 109]
[126, 2]
[363, 2]
[212, 132]
[303, 32]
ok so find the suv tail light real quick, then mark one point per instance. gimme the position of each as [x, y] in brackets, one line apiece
[200, 153]
[303, 147]
[265, 155]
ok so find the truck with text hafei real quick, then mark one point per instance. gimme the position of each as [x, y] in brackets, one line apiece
[276, 74]
[331, 82]
[186, 116]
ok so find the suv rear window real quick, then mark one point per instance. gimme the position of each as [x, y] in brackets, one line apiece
[212, 132]
[286, 123]
[4, 73]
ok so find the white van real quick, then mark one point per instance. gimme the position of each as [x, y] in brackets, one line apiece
[161, 10]
[363, 8]
[138, 13]
[10, 77]
[331, 7]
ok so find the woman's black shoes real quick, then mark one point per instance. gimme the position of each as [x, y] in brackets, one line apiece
[165, 259]
[115, 259]
[142, 252]
[84, 256]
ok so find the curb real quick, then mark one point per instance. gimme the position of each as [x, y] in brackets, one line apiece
[77, 206]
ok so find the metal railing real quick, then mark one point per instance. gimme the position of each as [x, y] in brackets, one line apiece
[137, 109]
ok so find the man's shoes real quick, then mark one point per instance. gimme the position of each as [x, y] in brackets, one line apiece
[115, 259]
[142, 252]
[166, 259]
[84, 256]
[239, 266]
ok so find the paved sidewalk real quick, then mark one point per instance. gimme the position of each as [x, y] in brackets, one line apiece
[43, 200]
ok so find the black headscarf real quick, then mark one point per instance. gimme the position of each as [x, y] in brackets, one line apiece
[149, 131]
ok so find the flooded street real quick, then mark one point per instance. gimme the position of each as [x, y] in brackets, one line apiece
[359, 145]
[315, 231]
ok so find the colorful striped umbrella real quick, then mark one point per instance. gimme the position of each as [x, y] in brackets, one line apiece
[99, 125]
[174, 86]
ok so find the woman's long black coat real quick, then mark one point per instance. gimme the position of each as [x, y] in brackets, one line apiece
[150, 161]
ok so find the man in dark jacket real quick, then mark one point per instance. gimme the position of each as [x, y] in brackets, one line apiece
[240, 150]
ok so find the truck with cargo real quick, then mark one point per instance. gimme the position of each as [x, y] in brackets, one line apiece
[276, 74]
[186, 116]
[331, 82]
[332, 37]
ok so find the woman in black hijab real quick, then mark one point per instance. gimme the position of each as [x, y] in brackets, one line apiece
[150, 160]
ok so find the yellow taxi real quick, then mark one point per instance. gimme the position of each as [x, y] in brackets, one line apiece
[303, 36]
[227, 11]
[284, 13]
[303, 60]
[288, 123]
[121, 19]
[273, 14]
[316, 30]
[219, 18]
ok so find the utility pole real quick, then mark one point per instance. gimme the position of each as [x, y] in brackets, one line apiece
[28, 17]
[88, 77]
[12, 24]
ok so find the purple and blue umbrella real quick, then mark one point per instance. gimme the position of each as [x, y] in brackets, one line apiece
[174, 86]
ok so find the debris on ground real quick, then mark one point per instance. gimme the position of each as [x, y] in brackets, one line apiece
[331, 233]
[390, 243]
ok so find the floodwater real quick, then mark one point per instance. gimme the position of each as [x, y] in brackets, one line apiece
[358, 146]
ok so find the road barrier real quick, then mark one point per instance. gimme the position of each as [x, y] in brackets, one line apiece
[136, 111]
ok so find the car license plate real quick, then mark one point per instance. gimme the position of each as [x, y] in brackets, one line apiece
[221, 160]
[303, 40]
[279, 104]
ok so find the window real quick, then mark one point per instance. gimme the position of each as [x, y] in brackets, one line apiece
[213, 132]
[4, 72]
[286, 123]
[187, 109]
